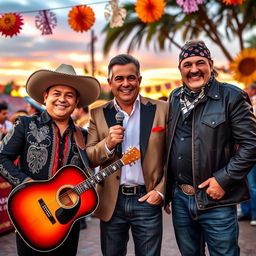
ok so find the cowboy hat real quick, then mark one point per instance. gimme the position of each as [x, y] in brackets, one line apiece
[88, 87]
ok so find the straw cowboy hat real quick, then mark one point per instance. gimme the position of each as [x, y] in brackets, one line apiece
[88, 87]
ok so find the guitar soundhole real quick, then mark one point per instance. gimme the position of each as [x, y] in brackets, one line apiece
[68, 197]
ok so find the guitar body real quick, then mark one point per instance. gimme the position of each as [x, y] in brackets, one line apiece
[43, 212]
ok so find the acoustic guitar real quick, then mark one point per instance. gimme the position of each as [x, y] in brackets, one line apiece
[43, 212]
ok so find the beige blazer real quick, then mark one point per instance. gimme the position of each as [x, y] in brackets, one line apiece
[152, 146]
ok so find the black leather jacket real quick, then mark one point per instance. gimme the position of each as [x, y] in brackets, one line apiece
[33, 140]
[223, 143]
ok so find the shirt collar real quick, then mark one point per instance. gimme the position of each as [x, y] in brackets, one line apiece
[136, 105]
[45, 118]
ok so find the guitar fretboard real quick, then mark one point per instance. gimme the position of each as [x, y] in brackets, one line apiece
[98, 177]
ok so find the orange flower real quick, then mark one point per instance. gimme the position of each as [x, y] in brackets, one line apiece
[81, 18]
[10, 24]
[150, 10]
[234, 2]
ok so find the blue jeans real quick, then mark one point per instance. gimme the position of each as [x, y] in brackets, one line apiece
[145, 221]
[218, 225]
[249, 208]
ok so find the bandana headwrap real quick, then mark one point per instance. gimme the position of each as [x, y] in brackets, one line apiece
[199, 49]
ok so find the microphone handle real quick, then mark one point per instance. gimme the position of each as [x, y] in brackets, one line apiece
[119, 145]
[119, 149]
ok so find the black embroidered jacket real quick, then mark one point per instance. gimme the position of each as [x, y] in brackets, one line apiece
[33, 140]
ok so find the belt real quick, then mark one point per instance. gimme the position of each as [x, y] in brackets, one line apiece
[187, 189]
[132, 190]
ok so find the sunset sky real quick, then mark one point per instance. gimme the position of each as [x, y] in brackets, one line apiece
[30, 51]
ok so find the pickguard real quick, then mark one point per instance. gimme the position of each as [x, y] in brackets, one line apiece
[65, 215]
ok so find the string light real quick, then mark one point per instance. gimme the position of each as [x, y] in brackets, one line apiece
[55, 8]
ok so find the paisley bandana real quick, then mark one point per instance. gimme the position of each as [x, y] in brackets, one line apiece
[198, 50]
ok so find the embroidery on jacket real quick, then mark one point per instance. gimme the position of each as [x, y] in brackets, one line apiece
[36, 158]
[39, 134]
[6, 139]
[52, 154]
[10, 178]
[37, 153]
[76, 160]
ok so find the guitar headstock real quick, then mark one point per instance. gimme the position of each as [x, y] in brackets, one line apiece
[131, 156]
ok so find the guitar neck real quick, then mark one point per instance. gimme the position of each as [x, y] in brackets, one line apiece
[98, 177]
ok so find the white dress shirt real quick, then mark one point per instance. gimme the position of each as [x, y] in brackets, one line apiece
[131, 175]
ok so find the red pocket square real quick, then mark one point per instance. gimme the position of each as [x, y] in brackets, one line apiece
[157, 129]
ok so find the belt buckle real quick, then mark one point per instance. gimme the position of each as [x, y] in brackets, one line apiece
[187, 189]
[131, 193]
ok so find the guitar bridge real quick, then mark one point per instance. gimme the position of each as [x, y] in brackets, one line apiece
[46, 211]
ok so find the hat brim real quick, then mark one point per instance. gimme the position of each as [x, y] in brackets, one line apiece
[34, 103]
[88, 87]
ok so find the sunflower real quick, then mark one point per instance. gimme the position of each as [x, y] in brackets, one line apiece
[234, 2]
[150, 10]
[81, 18]
[244, 66]
[10, 24]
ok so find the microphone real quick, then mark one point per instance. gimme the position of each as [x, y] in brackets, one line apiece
[119, 121]
[119, 118]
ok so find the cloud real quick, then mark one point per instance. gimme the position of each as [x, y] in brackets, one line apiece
[29, 50]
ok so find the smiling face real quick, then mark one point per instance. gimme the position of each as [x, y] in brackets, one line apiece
[196, 72]
[125, 84]
[60, 102]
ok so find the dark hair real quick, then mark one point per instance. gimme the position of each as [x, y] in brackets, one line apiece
[123, 59]
[3, 106]
[191, 43]
[22, 110]
[86, 109]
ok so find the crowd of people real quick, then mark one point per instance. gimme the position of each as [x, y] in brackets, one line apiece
[197, 150]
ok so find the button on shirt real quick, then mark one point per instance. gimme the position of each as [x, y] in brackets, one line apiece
[131, 175]
[61, 147]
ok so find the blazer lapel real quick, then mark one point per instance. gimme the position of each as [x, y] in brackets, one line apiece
[110, 117]
[109, 114]
[147, 114]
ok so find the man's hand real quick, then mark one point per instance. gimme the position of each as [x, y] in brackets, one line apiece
[167, 209]
[152, 197]
[115, 136]
[214, 190]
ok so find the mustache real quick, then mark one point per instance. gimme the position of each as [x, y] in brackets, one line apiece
[198, 73]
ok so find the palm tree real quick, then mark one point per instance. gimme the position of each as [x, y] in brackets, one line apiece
[252, 41]
[214, 20]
